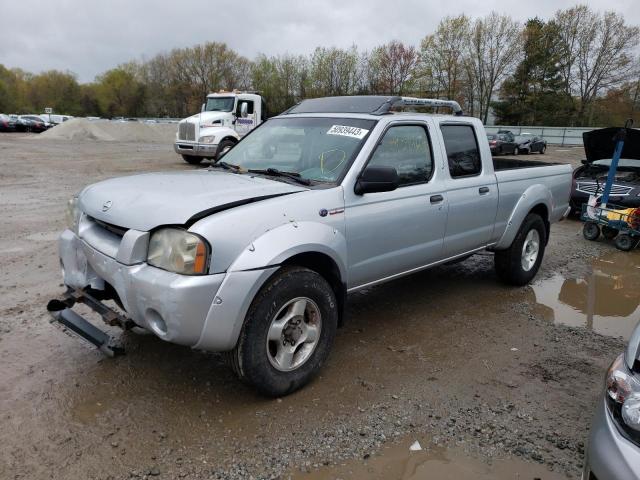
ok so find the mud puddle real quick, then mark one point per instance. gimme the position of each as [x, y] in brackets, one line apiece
[606, 300]
[398, 462]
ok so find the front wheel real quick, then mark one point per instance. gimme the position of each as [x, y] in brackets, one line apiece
[518, 264]
[516, 151]
[191, 159]
[591, 231]
[224, 147]
[543, 149]
[288, 332]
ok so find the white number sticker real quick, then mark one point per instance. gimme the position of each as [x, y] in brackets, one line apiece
[346, 131]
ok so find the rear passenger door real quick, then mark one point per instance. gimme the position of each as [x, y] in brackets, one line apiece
[471, 190]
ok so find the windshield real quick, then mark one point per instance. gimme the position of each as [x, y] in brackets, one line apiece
[219, 104]
[316, 148]
[491, 137]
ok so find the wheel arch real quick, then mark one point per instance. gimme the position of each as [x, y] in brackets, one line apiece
[325, 266]
[536, 199]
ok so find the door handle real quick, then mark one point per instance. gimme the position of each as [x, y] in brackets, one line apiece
[483, 190]
[436, 198]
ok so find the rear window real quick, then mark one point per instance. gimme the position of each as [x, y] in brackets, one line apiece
[462, 150]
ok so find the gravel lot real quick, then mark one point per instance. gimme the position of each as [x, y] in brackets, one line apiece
[475, 371]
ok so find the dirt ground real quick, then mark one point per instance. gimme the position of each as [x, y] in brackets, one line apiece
[493, 382]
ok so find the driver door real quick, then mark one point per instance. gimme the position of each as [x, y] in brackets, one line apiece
[389, 233]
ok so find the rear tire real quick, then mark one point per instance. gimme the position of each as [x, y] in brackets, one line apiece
[296, 305]
[518, 264]
[626, 242]
[543, 149]
[591, 231]
[516, 151]
[192, 160]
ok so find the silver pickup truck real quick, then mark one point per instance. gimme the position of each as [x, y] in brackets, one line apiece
[255, 255]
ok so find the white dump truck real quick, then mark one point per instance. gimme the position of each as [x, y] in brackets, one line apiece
[224, 118]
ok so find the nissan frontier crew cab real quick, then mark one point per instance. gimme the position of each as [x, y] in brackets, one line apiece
[255, 255]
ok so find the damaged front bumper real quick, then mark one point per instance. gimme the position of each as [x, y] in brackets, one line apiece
[172, 306]
[62, 315]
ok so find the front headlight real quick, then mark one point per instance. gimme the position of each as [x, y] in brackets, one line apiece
[178, 251]
[207, 139]
[623, 398]
[73, 214]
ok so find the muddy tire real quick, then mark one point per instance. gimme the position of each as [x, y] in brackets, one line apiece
[224, 147]
[609, 233]
[191, 159]
[518, 264]
[626, 242]
[288, 332]
[591, 231]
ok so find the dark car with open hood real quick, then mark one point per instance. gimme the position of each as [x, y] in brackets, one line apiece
[591, 176]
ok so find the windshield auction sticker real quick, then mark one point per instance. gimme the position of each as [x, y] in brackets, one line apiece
[345, 131]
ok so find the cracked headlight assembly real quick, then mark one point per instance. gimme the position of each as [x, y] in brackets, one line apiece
[72, 214]
[207, 139]
[623, 398]
[178, 251]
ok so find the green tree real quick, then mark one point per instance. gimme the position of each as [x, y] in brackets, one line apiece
[535, 94]
[119, 93]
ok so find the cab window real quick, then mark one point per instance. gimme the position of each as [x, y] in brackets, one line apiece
[462, 150]
[405, 148]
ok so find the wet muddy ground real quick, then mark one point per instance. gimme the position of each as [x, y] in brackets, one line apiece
[493, 382]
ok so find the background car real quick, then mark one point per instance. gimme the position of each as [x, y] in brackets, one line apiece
[31, 123]
[6, 123]
[501, 144]
[613, 452]
[590, 178]
[528, 143]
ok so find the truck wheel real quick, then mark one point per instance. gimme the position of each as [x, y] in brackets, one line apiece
[224, 147]
[288, 332]
[591, 231]
[519, 263]
[193, 160]
[625, 242]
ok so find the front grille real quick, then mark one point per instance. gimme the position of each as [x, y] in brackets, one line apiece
[186, 131]
[119, 231]
[593, 188]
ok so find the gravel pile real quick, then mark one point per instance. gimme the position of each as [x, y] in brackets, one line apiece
[81, 129]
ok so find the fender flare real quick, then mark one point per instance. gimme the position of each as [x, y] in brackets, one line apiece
[533, 196]
[277, 245]
[253, 268]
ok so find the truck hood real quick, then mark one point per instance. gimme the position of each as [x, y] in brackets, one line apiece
[143, 202]
[600, 144]
[206, 119]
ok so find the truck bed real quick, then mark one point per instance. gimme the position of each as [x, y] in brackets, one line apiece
[512, 163]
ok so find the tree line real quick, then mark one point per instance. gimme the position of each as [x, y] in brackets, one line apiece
[580, 67]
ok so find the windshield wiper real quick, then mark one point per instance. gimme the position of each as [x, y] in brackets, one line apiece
[274, 172]
[226, 166]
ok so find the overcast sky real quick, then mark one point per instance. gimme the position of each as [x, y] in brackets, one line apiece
[88, 37]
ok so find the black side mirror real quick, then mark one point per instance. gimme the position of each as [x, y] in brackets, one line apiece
[377, 179]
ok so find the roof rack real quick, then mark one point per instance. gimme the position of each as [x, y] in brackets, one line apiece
[371, 104]
[431, 102]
